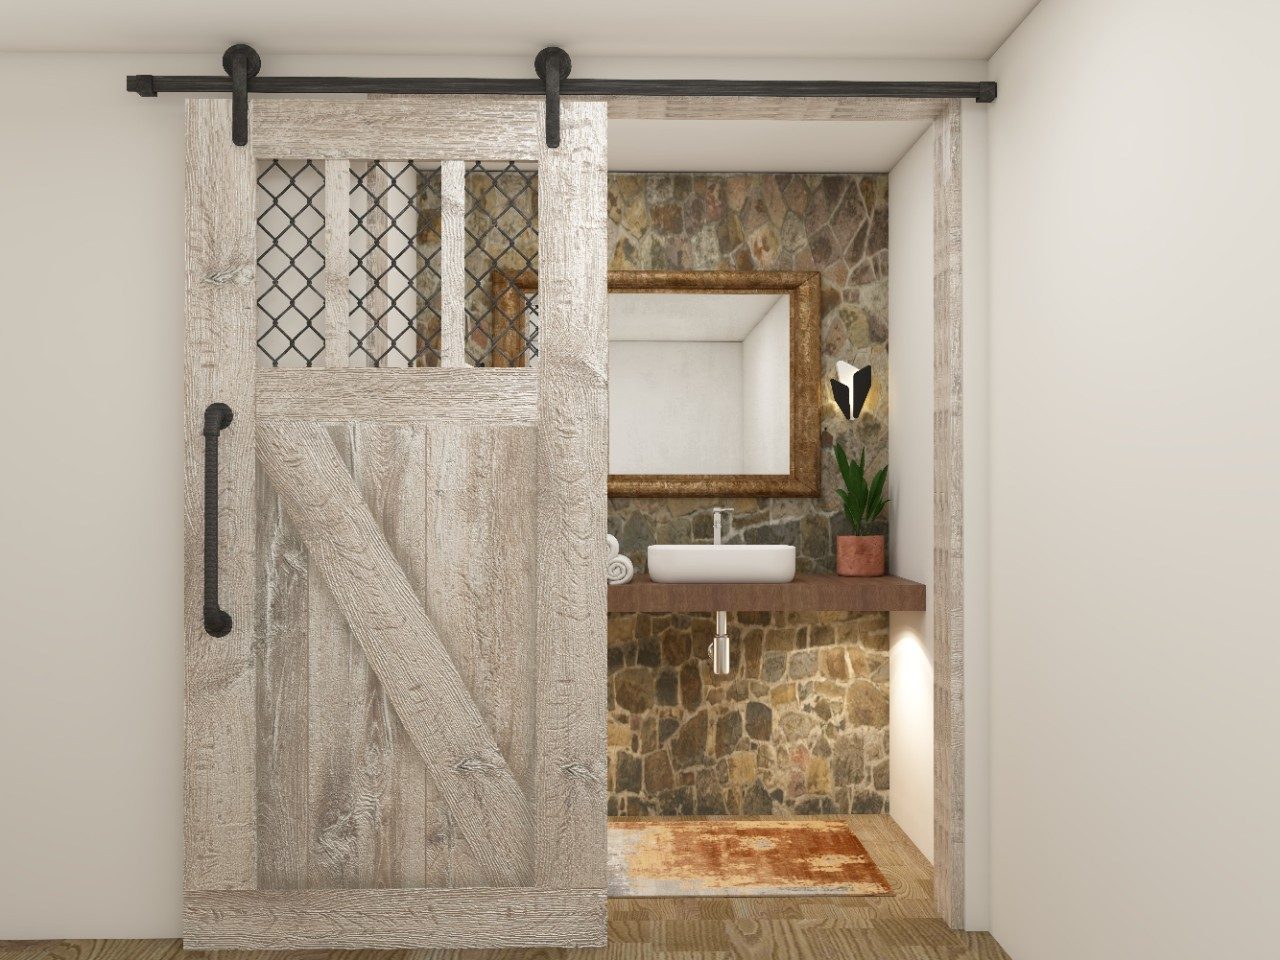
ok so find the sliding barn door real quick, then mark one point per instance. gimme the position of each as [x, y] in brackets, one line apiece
[395, 616]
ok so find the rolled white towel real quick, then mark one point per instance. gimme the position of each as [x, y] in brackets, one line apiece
[619, 570]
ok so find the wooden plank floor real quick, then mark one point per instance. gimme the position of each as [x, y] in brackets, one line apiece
[901, 927]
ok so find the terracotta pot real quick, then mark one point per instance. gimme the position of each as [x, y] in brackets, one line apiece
[860, 556]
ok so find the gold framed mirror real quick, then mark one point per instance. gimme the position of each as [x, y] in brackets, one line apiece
[714, 386]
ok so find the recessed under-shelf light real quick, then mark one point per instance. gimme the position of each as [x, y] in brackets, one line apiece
[850, 388]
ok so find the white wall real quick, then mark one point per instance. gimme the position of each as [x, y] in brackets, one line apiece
[675, 406]
[1134, 459]
[910, 486]
[766, 392]
[91, 561]
[91, 553]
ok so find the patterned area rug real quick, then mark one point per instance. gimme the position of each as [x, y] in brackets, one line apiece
[658, 857]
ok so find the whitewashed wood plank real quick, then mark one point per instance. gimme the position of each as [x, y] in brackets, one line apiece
[444, 127]
[376, 262]
[948, 520]
[220, 777]
[281, 618]
[739, 108]
[572, 473]
[338, 817]
[481, 583]
[772, 108]
[390, 470]
[368, 783]
[467, 918]
[491, 812]
[414, 395]
[453, 251]
[337, 262]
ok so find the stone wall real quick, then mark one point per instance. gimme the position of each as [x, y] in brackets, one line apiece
[836, 224]
[801, 725]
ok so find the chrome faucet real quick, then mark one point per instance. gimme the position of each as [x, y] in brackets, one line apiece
[718, 650]
[715, 523]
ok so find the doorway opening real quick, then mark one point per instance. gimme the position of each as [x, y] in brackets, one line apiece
[798, 732]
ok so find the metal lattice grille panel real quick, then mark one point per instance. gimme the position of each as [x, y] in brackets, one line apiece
[290, 263]
[394, 289]
[502, 265]
[395, 269]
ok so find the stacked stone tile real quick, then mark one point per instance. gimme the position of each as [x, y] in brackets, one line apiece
[836, 224]
[800, 726]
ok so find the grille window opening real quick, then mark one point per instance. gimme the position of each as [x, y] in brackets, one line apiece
[394, 288]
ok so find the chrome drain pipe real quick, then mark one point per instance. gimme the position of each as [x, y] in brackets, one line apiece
[718, 651]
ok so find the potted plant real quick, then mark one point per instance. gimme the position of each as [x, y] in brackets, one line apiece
[862, 554]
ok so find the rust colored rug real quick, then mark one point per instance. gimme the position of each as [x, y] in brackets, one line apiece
[657, 857]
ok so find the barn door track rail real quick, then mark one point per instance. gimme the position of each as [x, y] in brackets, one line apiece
[242, 66]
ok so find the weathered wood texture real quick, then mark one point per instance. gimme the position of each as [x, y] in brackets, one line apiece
[389, 467]
[572, 474]
[374, 276]
[366, 817]
[344, 798]
[467, 917]
[808, 591]
[772, 108]
[282, 619]
[219, 784]
[401, 644]
[453, 273]
[480, 589]
[337, 262]
[336, 832]
[446, 127]
[730, 108]
[948, 521]
[413, 715]
[406, 395]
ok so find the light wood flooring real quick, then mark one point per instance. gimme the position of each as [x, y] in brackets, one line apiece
[901, 927]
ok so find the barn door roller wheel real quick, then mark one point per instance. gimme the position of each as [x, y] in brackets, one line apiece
[241, 62]
[552, 65]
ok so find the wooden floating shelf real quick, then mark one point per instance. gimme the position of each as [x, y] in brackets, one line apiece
[808, 591]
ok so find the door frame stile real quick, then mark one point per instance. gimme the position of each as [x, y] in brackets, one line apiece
[220, 849]
[571, 784]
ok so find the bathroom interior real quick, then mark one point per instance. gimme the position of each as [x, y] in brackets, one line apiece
[773, 713]
[750, 695]
[309, 649]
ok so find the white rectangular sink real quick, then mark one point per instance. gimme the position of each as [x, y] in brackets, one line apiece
[704, 563]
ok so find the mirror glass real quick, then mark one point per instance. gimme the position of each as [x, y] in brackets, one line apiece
[699, 382]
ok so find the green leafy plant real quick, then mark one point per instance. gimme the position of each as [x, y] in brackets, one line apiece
[863, 502]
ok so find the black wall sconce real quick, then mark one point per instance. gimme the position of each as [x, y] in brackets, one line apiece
[850, 388]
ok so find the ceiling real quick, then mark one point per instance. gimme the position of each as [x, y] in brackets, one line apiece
[678, 316]
[596, 28]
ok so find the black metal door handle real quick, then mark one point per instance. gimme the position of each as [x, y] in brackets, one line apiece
[217, 417]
